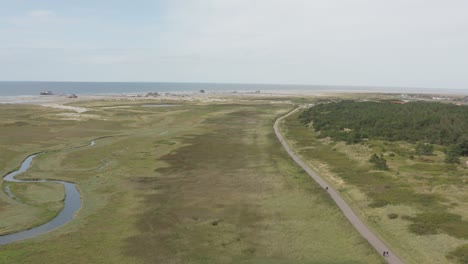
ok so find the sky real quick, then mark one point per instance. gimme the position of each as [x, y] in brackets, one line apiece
[405, 43]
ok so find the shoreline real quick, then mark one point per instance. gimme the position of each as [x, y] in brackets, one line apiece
[48, 100]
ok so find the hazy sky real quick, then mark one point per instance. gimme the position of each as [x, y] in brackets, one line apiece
[421, 43]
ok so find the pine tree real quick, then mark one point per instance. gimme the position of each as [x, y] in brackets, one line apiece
[379, 162]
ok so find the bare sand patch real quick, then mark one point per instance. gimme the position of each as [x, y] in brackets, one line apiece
[76, 116]
[117, 107]
[67, 107]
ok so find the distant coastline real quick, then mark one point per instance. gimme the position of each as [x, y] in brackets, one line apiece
[21, 88]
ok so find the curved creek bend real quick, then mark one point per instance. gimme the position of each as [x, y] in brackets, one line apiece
[72, 203]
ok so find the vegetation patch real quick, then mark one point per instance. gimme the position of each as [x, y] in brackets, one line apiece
[424, 149]
[392, 216]
[161, 202]
[165, 142]
[434, 223]
[230, 194]
[399, 172]
[379, 162]
[435, 123]
[33, 204]
[459, 255]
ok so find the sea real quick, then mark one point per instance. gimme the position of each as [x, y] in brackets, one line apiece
[13, 88]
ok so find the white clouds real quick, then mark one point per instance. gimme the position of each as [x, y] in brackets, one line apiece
[258, 23]
[324, 41]
[99, 57]
[39, 19]
[39, 13]
[372, 42]
[31, 18]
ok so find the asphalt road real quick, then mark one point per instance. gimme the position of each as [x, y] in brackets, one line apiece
[365, 232]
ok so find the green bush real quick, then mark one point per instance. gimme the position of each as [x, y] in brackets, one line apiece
[434, 223]
[460, 254]
[452, 154]
[424, 149]
[379, 162]
[392, 216]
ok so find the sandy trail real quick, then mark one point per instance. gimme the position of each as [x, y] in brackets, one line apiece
[79, 110]
[365, 232]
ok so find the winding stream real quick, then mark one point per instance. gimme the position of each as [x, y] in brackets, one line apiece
[71, 204]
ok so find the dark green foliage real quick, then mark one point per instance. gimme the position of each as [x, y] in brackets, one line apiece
[382, 188]
[452, 154]
[462, 143]
[435, 123]
[353, 138]
[392, 216]
[424, 149]
[460, 255]
[434, 223]
[406, 217]
[379, 162]
[454, 151]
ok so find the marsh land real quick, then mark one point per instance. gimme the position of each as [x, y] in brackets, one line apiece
[207, 181]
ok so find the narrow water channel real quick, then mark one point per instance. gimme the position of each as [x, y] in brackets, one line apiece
[71, 205]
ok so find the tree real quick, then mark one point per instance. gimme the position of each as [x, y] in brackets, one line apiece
[463, 145]
[353, 138]
[424, 149]
[430, 122]
[379, 162]
[452, 154]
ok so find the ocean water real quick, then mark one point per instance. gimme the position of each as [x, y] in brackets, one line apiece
[34, 88]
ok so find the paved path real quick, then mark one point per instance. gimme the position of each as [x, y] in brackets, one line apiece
[365, 232]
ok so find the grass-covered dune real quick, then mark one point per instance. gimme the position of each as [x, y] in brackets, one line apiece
[193, 183]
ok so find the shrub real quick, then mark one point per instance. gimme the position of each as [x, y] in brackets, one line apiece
[452, 154]
[460, 254]
[424, 149]
[434, 223]
[379, 203]
[379, 162]
[392, 216]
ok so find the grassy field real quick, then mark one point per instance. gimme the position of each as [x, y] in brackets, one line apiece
[32, 205]
[198, 183]
[419, 206]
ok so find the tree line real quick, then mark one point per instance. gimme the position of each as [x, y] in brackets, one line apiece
[423, 122]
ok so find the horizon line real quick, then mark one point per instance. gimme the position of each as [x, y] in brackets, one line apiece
[240, 83]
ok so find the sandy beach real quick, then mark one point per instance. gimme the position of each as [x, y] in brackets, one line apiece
[62, 102]
[58, 101]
